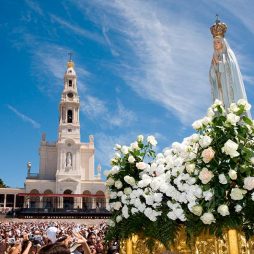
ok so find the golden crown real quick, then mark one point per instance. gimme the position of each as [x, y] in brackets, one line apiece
[218, 28]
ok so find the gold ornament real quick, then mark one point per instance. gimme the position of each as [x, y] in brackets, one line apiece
[70, 64]
[218, 29]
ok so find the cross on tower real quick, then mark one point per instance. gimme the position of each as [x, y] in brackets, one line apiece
[70, 56]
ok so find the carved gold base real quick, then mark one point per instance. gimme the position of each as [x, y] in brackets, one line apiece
[233, 242]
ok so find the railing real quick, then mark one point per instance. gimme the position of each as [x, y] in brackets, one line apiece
[32, 176]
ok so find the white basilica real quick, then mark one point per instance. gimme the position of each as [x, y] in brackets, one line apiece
[67, 165]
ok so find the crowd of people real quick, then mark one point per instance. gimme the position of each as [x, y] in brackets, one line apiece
[54, 237]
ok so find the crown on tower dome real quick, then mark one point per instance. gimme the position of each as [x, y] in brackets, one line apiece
[70, 64]
[218, 28]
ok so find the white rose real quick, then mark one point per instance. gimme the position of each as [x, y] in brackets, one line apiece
[222, 179]
[232, 118]
[208, 155]
[130, 180]
[237, 194]
[190, 167]
[205, 175]
[216, 103]
[113, 161]
[117, 205]
[244, 103]
[127, 191]
[249, 183]
[151, 140]
[140, 138]
[205, 141]
[111, 223]
[117, 155]
[114, 170]
[238, 208]
[117, 147]
[120, 193]
[112, 195]
[141, 165]
[197, 125]
[125, 149]
[210, 113]
[135, 146]
[208, 195]
[223, 210]
[232, 174]
[118, 184]
[110, 181]
[125, 212]
[252, 160]
[206, 120]
[197, 210]
[134, 210]
[131, 159]
[207, 218]
[118, 218]
[230, 148]
[233, 107]
[195, 137]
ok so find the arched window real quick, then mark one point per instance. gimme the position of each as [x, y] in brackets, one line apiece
[48, 202]
[34, 200]
[87, 201]
[68, 202]
[100, 199]
[69, 116]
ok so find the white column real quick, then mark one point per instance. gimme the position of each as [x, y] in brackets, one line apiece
[41, 203]
[15, 198]
[4, 201]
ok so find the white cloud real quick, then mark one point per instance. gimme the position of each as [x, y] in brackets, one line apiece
[113, 50]
[97, 109]
[49, 60]
[121, 117]
[78, 30]
[24, 118]
[171, 56]
[35, 6]
[243, 11]
[92, 107]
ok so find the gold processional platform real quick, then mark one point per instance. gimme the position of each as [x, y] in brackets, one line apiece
[233, 242]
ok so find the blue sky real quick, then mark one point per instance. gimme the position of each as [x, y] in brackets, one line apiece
[142, 69]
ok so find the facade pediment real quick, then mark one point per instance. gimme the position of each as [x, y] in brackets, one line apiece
[68, 180]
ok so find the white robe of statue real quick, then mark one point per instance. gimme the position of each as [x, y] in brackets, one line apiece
[225, 76]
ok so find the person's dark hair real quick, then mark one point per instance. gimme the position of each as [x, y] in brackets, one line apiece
[54, 249]
[61, 238]
[90, 234]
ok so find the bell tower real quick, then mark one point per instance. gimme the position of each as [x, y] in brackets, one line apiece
[69, 127]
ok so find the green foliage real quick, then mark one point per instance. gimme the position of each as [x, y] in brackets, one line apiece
[2, 184]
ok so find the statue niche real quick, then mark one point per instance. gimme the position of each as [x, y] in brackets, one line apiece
[68, 161]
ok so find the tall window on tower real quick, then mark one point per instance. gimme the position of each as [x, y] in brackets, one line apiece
[70, 83]
[69, 116]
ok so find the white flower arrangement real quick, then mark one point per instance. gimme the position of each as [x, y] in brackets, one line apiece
[207, 179]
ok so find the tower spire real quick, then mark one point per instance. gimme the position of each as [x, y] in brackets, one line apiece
[69, 128]
[70, 56]
[70, 63]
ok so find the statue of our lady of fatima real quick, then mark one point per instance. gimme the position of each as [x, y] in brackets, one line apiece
[225, 76]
